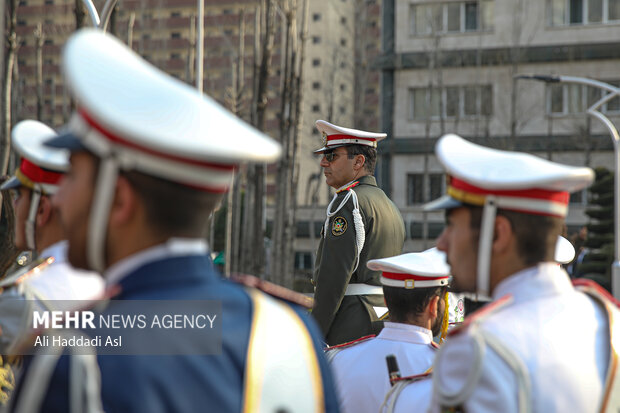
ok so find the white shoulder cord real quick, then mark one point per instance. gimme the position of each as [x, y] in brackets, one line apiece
[360, 232]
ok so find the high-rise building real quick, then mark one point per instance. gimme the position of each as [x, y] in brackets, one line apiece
[451, 67]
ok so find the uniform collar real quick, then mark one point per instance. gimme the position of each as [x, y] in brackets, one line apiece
[57, 250]
[406, 332]
[543, 280]
[364, 180]
[174, 247]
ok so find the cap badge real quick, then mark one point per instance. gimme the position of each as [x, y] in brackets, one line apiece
[324, 139]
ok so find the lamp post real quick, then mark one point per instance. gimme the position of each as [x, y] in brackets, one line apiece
[610, 92]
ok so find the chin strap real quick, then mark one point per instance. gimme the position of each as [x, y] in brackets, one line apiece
[489, 212]
[446, 320]
[31, 222]
[102, 200]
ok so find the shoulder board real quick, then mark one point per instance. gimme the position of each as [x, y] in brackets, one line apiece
[592, 288]
[481, 314]
[434, 345]
[349, 187]
[416, 377]
[23, 274]
[350, 343]
[273, 290]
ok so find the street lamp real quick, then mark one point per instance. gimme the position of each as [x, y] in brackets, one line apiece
[611, 92]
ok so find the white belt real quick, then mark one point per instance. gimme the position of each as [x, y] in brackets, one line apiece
[363, 289]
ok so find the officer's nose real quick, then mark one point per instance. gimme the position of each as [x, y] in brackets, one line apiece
[324, 162]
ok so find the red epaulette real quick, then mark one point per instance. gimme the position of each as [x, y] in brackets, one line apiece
[354, 184]
[273, 290]
[481, 313]
[415, 377]
[349, 343]
[586, 284]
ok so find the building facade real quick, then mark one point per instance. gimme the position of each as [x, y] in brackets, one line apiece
[451, 67]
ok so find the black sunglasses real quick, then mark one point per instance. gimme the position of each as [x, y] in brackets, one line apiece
[330, 155]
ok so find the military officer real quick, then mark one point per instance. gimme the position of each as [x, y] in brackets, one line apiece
[150, 159]
[38, 228]
[362, 223]
[415, 289]
[542, 345]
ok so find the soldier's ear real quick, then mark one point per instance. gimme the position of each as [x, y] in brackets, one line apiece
[433, 307]
[45, 210]
[360, 160]
[125, 204]
[503, 236]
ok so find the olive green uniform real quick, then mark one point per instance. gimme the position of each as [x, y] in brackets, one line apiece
[345, 318]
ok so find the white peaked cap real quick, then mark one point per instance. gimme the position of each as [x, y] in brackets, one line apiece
[40, 165]
[151, 121]
[519, 181]
[335, 136]
[564, 250]
[413, 270]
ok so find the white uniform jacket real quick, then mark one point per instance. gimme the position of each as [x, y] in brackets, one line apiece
[60, 281]
[361, 373]
[541, 346]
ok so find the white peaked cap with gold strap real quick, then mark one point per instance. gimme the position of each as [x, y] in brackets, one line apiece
[335, 136]
[40, 169]
[413, 270]
[135, 117]
[493, 178]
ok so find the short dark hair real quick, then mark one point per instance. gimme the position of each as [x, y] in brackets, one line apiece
[370, 154]
[536, 234]
[407, 304]
[171, 208]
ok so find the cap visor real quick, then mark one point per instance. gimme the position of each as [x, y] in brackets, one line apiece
[11, 183]
[445, 202]
[328, 148]
[66, 140]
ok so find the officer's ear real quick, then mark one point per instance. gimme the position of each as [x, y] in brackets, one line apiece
[125, 204]
[360, 160]
[503, 235]
[433, 307]
[44, 212]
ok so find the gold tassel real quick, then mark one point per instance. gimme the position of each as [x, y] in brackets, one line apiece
[446, 320]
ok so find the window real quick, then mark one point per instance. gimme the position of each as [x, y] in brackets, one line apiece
[303, 260]
[420, 190]
[227, 11]
[343, 87]
[581, 12]
[21, 22]
[343, 110]
[175, 55]
[175, 35]
[316, 85]
[579, 197]
[571, 99]
[454, 17]
[316, 17]
[316, 39]
[175, 14]
[343, 20]
[451, 102]
[316, 108]
[343, 42]
[316, 62]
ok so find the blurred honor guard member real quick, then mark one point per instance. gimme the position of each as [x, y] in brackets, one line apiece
[416, 390]
[361, 224]
[151, 157]
[542, 345]
[37, 224]
[415, 287]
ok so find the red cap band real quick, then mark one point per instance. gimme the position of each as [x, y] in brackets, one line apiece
[38, 174]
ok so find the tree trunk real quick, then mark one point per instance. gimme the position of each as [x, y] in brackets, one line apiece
[258, 244]
[39, 38]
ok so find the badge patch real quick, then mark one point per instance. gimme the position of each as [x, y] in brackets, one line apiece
[324, 139]
[339, 226]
